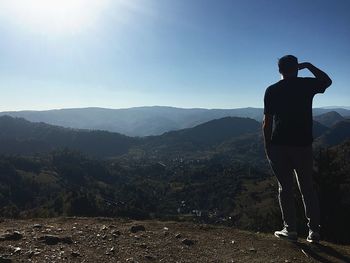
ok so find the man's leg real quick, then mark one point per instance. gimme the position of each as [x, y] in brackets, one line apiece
[281, 166]
[304, 169]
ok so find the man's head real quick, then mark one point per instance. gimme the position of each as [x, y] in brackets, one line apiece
[288, 66]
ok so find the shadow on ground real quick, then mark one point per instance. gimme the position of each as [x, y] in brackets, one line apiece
[323, 253]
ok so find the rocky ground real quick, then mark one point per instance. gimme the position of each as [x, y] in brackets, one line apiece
[120, 240]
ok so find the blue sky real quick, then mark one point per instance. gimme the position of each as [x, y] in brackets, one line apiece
[183, 53]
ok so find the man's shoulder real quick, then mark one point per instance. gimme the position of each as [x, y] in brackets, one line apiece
[291, 82]
[273, 86]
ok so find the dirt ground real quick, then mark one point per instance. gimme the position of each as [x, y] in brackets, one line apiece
[119, 240]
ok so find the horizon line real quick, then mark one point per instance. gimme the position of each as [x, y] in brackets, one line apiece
[158, 106]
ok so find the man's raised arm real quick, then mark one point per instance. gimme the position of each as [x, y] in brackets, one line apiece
[319, 74]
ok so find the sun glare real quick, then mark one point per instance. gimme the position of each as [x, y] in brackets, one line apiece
[53, 16]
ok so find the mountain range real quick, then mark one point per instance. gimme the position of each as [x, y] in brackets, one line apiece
[20, 136]
[144, 121]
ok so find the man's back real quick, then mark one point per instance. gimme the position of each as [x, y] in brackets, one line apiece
[290, 102]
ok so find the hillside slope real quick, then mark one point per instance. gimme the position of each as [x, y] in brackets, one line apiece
[329, 119]
[19, 136]
[203, 135]
[114, 240]
[337, 134]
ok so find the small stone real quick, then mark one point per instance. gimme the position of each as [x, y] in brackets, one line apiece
[115, 233]
[165, 228]
[104, 227]
[233, 242]
[178, 235]
[137, 228]
[187, 242]
[150, 257]
[17, 250]
[143, 245]
[75, 254]
[34, 252]
[251, 249]
[37, 226]
[30, 253]
[66, 240]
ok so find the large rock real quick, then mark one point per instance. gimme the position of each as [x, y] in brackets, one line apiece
[15, 235]
[187, 242]
[5, 260]
[137, 228]
[53, 240]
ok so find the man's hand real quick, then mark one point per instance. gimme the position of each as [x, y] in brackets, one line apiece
[304, 65]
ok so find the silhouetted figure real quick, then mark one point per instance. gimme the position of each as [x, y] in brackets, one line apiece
[287, 128]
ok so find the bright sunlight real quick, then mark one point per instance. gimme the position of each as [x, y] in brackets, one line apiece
[54, 17]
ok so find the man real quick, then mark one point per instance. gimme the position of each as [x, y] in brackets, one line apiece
[287, 129]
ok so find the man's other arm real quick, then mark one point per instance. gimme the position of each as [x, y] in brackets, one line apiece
[324, 80]
[267, 131]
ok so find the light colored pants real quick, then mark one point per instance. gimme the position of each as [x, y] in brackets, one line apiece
[287, 163]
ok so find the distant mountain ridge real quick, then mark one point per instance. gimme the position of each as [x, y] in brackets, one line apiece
[329, 119]
[19, 136]
[143, 121]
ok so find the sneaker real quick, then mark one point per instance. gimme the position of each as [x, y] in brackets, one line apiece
[287, 235]
[313, 237]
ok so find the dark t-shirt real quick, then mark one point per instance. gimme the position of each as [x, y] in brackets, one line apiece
[290, 103]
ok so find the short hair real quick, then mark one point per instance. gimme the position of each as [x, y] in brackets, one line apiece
[288, 64]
